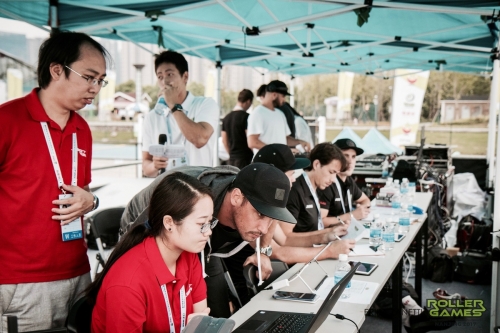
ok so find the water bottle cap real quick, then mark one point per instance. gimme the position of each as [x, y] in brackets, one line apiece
[343, 257]
[161, 100]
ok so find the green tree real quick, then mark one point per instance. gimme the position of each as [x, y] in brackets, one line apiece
[126, 87]
[196, 88]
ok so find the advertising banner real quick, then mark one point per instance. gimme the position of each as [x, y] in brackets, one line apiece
[408, 95]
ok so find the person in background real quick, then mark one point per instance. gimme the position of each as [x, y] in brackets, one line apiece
[185, 119]
[261, 92]
[234, 131]
[153, 278]
[45, 153]
[267, 124]
[302, 129]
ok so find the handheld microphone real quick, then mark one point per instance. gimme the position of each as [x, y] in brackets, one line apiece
[162, 139]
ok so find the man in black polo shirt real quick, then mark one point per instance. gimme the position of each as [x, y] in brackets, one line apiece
[334, 199]
[234, 131]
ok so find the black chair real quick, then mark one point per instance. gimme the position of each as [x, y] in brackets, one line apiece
[105, 223]
[250, 271]
[80, 316]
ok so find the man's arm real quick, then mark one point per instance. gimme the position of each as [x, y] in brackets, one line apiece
[196, 133]
[292, 142]
[225, 141]
[254, 142]
[151, 164]
[293, 255]
[306, 239]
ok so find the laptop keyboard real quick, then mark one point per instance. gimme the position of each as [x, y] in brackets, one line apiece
[289, 323]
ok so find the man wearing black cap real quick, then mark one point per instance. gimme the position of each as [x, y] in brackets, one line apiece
[246, 203]
[334, 199]
[267, 124]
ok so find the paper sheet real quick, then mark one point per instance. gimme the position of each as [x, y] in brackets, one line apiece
[365, 250]
[355, 230]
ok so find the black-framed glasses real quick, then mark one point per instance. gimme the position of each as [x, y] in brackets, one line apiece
[90, 79]
[209, 225]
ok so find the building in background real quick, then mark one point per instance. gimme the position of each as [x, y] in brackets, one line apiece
[468, 107]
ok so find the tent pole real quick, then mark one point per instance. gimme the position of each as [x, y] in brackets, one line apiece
[492, 123]
[292, 91]
[219, 102]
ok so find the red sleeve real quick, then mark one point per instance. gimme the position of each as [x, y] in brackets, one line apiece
[199, 292]
[125, 310]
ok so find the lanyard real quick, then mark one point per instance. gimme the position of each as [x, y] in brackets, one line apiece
[55, 161]
[321, 226]
[169, 309]
[340, 194]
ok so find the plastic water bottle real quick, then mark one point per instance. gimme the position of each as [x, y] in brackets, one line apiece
[161, 106]
[376, 231]
[385, 168]
[404, 219]
[388, 235]
[404, 186]
[412, 188]
[396, 200]
[343, 268]
[396, 186]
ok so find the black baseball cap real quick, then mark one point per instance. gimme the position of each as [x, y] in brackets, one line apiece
[278, 87]
[267, 188]
[348, 144]
[281, 157]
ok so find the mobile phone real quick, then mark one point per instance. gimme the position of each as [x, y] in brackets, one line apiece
[399, 237]
[293, 296]
[365, 268]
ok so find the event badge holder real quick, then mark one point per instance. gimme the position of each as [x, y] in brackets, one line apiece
[72, 230]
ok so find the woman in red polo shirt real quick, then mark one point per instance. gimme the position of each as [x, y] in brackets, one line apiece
[153, 280]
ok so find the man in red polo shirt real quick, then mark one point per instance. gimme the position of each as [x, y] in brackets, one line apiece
[45, 160]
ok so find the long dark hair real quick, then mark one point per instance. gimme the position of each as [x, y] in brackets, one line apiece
[175, 195]
[325, 153]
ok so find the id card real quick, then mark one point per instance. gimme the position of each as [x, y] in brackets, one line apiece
[72, 230]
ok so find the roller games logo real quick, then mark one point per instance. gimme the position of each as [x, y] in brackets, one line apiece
[469, 308]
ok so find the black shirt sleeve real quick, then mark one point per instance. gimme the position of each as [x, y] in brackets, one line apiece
[293, 204]
[355, 190]
[224, 125]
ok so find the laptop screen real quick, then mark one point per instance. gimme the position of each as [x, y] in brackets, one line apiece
[331, 300]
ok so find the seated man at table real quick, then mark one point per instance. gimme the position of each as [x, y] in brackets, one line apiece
[334, 201]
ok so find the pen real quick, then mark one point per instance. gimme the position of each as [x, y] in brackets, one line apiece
[338, 238]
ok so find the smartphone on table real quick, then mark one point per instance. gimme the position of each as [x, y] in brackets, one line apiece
[365, 268]
[294, 296]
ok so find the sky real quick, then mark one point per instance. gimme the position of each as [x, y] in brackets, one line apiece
[29, 30]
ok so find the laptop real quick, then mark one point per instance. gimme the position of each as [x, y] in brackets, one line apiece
[264, 321]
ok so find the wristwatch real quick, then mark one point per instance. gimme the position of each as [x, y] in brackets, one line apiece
[96, 202]
[177, 107]
[268, 250]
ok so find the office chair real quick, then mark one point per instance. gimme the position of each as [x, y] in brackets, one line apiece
[78, 321]
[105, 223]
[249, 272]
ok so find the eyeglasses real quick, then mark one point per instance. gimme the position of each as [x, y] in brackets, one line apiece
[211, 225]
[90, 79]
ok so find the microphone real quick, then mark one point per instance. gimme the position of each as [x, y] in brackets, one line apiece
[162, 139]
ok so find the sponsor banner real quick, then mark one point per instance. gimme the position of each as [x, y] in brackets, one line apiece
[344, 92]
[14, 83]
[408, 95]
